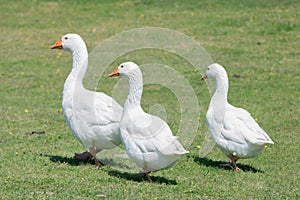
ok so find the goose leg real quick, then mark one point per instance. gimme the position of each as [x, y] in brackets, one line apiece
[233, 162]
[227, 165]
[94, 151]
[149, 178]
[147, 174]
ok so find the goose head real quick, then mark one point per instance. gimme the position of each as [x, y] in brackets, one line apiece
[214, 71]
[124, 69]
[70, 42]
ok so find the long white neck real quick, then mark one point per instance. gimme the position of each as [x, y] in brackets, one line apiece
[135, 88]
[219, 99]
[80, 63]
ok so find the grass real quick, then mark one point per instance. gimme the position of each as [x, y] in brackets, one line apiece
[258, 40]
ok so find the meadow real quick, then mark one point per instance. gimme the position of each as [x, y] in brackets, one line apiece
[256, 41]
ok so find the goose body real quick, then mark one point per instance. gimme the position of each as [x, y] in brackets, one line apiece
[148, 140]
[233, 129]
[92, 117]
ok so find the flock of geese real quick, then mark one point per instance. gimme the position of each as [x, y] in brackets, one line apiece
[147, 139]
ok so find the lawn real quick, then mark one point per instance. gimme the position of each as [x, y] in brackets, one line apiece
[256, 41]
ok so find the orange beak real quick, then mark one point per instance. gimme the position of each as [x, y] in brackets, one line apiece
[57, 45]
[114, 73]
[204, 76]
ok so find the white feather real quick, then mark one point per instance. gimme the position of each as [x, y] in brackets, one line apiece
[92, 117]
[233, 129]
[148, 140]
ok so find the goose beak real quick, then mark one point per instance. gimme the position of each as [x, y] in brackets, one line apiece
[204, 76]
[114, 73]
[57, 45]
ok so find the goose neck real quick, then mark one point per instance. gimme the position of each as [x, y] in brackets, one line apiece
[135, 87]
[222, 85]
[80, 63]
[221, 89]
[73, 82]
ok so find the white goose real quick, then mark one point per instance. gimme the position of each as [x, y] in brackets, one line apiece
[93, 117]
[233, 129]
[148, 140]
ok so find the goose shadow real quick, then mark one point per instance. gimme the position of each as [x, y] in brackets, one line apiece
[125, 175]
[76, 162]
[69, 160]
[132, 177]
[218, 164]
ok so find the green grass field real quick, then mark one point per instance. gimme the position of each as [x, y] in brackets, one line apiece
[258, 40]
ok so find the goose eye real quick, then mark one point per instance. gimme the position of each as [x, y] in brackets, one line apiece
[66, 38]
[207, 69]
[121, 66]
